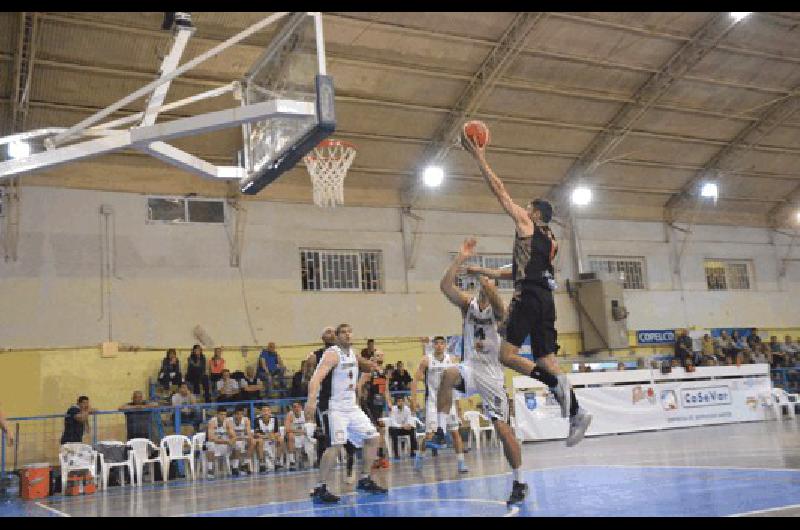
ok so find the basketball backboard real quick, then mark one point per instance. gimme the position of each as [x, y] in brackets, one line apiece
[291, 72]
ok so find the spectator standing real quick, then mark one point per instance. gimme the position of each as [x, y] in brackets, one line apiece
[369, 352]
[708, 348]
[402, 424]
[759, 357]
[170, 373]
[401, 379]
[76, 421]
[778, 357]
[215, 367]
[137, 421]
[299, 383]
[271, 367]
[251, 385]
[196, 372]
[683, 347]
[188, 414]
[227, 388]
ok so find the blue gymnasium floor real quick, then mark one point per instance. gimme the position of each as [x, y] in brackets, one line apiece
[739, 469]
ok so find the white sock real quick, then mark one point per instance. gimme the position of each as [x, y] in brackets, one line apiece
[210, 467]
[517, 473]
[443, 420]
[235, 463]
[291, 458]
[460, 457]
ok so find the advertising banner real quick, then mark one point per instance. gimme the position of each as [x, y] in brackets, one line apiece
[655, 336]
[628, 406]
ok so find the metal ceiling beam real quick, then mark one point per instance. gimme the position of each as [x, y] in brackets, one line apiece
[770, 118]
[687, 56]
[23, 70]
[498, 60]
[416, 69]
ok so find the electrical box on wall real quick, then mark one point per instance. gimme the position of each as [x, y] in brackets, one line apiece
[109, 349]
[602, 315]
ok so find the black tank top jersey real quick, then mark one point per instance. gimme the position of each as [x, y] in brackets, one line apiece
[533, 257]
[325, 386]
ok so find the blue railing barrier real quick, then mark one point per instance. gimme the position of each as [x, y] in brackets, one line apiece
[47, 449]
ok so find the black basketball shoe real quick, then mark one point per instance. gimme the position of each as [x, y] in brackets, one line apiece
[368, 485]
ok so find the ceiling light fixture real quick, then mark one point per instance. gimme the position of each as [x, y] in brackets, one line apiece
[739, 15]
[581, 196]
[709, 190]
[19, 149]
[433, 176]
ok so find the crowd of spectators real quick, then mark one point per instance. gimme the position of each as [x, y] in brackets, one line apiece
[733, 349]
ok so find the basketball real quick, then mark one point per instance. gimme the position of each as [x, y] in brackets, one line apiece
[477, 131]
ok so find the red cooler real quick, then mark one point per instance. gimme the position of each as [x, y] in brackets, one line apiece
[34, 481]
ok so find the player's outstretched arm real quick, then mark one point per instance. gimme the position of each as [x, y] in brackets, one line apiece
[448, 284]
[326, 364]
[517, 213]
[503, 273]
[419, 376]
[498, 307]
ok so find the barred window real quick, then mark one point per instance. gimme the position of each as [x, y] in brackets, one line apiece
[723, 275]
[341, 270]
[631, 269]
[184, 210]
[489, 261]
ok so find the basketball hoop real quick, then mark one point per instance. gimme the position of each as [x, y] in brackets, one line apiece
[328, 164]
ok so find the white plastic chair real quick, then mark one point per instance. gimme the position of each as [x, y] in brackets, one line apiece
[387, 421]
[105, 467]
[197, 442]
[781, 399]
[66, 456]
[140, 449]
[172, 449]
[474, 419]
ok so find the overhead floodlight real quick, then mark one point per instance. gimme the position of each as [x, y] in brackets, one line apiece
[797, 216]
[739, 15]
[581, 196]
[709, 190]
[433, 176]
[19, 149]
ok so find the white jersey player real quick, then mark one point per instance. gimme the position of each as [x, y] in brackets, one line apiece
[430, 370]
[334, 386]
[244, 442]
[480, 372]
[297, 442]
[220, 439]
[268, 440]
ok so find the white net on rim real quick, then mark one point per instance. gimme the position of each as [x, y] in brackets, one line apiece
[328, 164]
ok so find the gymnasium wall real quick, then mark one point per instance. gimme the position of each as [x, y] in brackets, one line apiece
[168, 278]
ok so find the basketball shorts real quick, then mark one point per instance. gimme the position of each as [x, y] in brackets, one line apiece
[299, 440]
[348, 424]
[432, 416]
[533, 312]
[490, 389]
[241, 445]
[219, 450]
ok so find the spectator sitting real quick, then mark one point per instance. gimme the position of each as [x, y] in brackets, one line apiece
[760, 357]
[251, 385]
[753, 340]
[401, 424]
[401, 379]
[708, 348]
[620, 366]
[215, 367]
[196, 372]
[188, 414]
[270, 366]
[299, 383]
[137, 421]
[227, 388]
[369, 352]
[76, 420]
[170, 373]
[789, 349]
[778, 357]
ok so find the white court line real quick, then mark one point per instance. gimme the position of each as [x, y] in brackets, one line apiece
[766, 510]
[512, 512]
[687, 467]
[352, 493]
[51, 509]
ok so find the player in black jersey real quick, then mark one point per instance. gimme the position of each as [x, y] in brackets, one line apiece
[532, 310]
